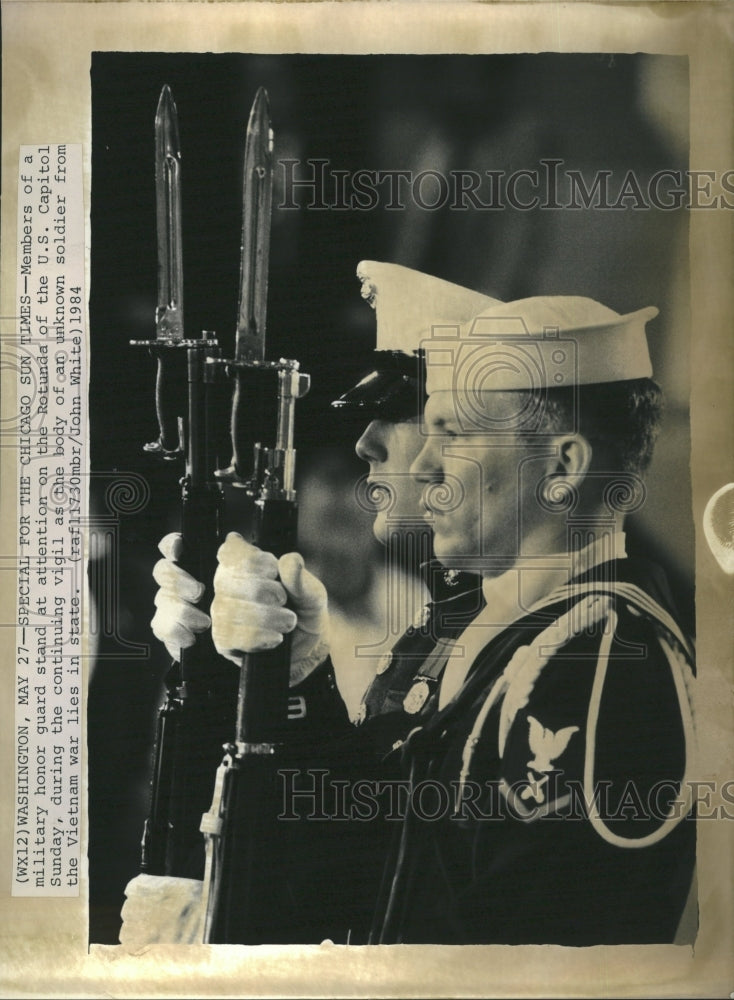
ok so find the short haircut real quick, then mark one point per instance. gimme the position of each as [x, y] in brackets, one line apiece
[619, 419]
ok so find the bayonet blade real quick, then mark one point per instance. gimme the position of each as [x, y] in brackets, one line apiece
[257, 193]
[169, 311]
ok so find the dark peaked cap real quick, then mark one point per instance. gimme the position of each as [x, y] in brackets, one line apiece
[409, 307]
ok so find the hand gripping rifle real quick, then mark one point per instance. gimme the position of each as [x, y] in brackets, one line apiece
[201, 686]
[241, 826]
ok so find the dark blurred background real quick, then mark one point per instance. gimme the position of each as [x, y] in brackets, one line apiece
[501, 113]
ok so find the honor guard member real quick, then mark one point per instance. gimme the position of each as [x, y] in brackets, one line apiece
[547, 792]
[409, 305]
[550, 793]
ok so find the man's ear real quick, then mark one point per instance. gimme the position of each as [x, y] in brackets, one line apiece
[574, 456]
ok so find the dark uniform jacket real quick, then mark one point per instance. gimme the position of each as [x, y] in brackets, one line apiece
[545, 803]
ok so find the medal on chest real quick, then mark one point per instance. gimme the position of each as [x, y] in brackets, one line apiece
[417, 696]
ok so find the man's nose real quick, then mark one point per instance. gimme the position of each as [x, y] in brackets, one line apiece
[372, 445]
[426, 467]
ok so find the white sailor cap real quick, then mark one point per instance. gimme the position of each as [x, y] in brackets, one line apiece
[410, 306]
[543, 342]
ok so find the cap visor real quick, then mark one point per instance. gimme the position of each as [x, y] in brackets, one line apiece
[384, 394]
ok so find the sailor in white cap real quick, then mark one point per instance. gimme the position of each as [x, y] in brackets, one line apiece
[553, 388]
[564, 724]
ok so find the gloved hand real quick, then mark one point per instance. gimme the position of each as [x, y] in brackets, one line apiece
[176, 621]
[162, 909]
[251, 588]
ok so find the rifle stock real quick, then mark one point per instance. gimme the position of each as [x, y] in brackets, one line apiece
[201, 686]
[245, 897]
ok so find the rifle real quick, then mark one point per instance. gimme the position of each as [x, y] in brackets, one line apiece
[201, 685]
[240, 827]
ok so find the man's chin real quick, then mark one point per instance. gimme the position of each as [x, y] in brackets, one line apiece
[379, 529]
[451, 555]
[386, 529]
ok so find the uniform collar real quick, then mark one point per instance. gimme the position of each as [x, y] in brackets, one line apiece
[603, 549]
[522, 586]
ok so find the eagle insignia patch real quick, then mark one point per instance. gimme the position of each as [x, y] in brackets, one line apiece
[546, 746]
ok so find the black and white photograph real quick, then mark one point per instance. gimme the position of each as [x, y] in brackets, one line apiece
[399, 534]
[477, 729]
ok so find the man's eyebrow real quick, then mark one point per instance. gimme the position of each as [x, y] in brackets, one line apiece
[442, 423]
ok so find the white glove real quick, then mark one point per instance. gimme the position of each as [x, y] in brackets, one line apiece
[176, 622]
[251, 588]
[162, 909]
